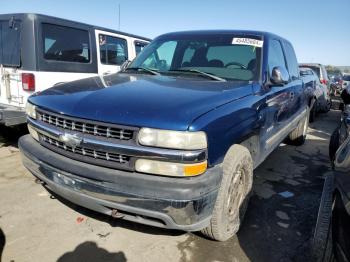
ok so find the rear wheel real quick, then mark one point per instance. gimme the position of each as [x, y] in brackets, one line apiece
[313, 112]
[298, 135]
[233, 197]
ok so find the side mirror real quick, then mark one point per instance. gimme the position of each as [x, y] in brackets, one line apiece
[279, 76]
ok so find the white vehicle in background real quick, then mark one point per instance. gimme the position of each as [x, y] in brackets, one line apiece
[38, 51]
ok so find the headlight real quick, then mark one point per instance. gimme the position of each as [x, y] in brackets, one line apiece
[169, 168]
[33, 133]
[172, 139]
[31, 110]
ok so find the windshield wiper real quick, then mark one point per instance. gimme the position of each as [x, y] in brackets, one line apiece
[151, 71]
[211, 76]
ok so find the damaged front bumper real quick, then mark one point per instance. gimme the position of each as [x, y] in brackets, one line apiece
[175, 203]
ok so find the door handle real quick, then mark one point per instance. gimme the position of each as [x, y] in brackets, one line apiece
[107, 73]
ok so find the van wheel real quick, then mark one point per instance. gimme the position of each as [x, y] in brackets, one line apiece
[322, 242]
[233, 196]
[298, 136]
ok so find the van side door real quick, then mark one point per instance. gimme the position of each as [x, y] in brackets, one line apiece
[112, 51]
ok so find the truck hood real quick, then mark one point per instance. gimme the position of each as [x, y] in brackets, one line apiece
[140, 100]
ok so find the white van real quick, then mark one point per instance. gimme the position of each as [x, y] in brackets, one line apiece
[38, 51]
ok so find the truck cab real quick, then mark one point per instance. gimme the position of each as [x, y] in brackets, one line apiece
[171, 140]
[38, 51]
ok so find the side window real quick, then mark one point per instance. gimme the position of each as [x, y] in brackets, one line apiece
[113, 50]
[291, 61]
[56, 46]
[10, 49]
[139, 46]
[276, 57]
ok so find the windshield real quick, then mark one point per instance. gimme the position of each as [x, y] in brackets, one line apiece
[221, 56]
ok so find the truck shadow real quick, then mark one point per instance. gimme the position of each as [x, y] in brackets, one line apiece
[9, 135]
[90, 252]
[2, 242]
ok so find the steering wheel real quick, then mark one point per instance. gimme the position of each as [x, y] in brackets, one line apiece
[236, 64]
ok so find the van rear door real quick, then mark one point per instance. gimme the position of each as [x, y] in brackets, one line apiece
[10, 61]
[112, 51]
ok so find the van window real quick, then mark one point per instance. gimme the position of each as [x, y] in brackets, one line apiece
[139, 46]
[276, 57]
[10, 54]
[113, 50]
[292, 62]
[66, 44]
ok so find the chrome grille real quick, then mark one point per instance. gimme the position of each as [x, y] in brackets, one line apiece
[85, 127]
[85, 152]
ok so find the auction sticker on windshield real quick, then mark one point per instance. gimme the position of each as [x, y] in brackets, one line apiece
[247, 41]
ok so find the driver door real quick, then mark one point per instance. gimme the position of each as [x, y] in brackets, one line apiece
[112, 51]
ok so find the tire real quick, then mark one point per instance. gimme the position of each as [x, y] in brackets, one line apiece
[334, 144]
[298, 136]
[233, 196]
[313, 112]
[329, 105]
[322, 246]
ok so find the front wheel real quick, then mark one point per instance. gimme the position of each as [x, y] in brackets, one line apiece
[233, 196]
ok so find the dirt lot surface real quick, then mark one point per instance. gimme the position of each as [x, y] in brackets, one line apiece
[278, 225]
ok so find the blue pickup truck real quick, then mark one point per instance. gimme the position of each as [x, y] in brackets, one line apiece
[172, 140]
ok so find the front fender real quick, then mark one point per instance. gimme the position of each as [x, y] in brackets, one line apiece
[227, 125]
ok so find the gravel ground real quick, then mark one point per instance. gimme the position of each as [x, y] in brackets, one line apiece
[36, 226]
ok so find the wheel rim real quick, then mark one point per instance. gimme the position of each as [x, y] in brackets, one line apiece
[236, 196]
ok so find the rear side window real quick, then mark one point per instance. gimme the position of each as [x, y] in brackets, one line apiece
[113, 50]
[292, 62]
[139, 46]
[66, 44]
[10, 34]
[276, 57]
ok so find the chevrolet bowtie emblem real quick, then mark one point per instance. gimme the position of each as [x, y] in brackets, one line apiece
[71, 140]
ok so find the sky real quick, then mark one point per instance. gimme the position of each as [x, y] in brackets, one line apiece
[318, 29]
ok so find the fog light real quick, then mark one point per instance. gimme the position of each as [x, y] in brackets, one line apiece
[169, 168]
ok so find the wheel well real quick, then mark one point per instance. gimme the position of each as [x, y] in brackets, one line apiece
[252, 143]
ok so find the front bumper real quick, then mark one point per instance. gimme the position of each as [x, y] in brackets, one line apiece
[176, 203]
[11, 116]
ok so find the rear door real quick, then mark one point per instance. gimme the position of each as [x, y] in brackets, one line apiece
[10, 61]
[112, 51]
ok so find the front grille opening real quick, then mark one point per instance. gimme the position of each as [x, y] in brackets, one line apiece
[88, 155]
[85, 127]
